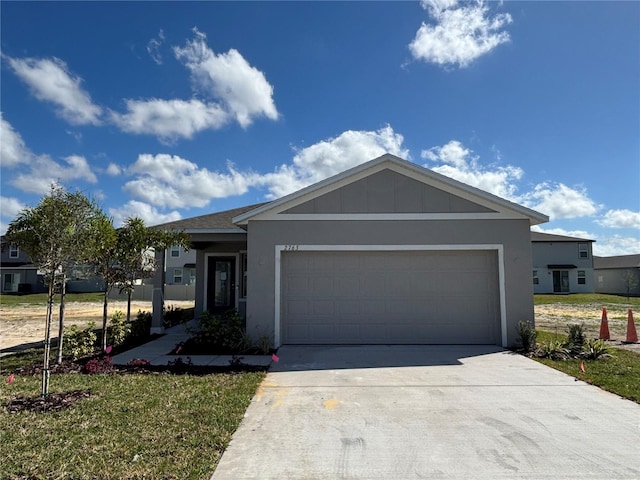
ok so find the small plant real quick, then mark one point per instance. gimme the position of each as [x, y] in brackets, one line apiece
[575, 339]
[553, 349]
[98, 365]
[175, 316]
[595, 349]
[80, 343]
[141, 326]
[118, 330]
[236, 361]
[225, 332]
[139, 362]
[528, 335]
[264, 344]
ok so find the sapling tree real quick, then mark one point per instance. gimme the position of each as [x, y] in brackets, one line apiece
[53, 234]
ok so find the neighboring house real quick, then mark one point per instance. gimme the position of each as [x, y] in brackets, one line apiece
[19, 275]
[180, 266]
[387, 252]
[618, 275]
[561, 264]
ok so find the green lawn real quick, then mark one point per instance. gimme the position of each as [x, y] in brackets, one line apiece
[619, 374]
[132, 426]
[7, 300]
[586, 298]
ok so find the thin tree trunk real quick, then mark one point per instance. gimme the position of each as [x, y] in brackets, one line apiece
[104, 320]
[63, 294]
[129, 292]
[47, 342]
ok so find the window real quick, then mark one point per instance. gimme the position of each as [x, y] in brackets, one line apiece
[582, 277]
[536, 280]
[14, 251]
[175, 251]
[583, 249]
[243, 269]
[192, 276]
[177, 275]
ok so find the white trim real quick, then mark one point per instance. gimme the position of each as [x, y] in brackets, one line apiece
[206, 276]
[398, 165]
[391, 216]
[499, 248]
[215, 230]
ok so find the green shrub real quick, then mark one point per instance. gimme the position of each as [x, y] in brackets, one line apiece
[553, 349]
[118, 330]
[224, 331]
[175, 316]
[528, 335]
[80, 343]
[595, 349]
[141, 326]
[575, 339]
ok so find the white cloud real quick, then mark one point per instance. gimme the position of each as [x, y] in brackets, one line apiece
[13, 150]
[50, 80]
[153, 48]
[567, 233]
[169, 119]
[114, 170]
[616, 245]
[43, 171]
[146, 212]
[460, 164]
[620, 219]
[228, 78]
[558, 201]
[10, 207]
[170, 181]
[460, 33]
[332, 156]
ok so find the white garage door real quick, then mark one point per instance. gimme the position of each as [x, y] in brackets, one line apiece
[407, 297]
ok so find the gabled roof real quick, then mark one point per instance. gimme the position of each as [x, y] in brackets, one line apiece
[219, 222]
[620, 261]
[548, 237]
[501, 206]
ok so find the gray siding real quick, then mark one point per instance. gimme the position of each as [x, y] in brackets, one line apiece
[615, 281]
[388, 192]
[263, 236]
[562, 253]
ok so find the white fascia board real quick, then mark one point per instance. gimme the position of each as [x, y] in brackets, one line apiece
[391, 216]
[214, 230]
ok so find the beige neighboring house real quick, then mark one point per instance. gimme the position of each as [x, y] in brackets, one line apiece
[619, 275]
[387, 252]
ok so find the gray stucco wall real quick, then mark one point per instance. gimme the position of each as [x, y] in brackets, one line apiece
[263, 236]
[618, 280]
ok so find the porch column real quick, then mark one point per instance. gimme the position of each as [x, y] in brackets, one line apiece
[157, 298]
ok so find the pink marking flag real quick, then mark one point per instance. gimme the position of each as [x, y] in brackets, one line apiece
[274, 357]
[108, 349]
[11, 379]
[582, 367]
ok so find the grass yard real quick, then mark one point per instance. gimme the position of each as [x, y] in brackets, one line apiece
[41, 298]
[586, 299]
[155, 425]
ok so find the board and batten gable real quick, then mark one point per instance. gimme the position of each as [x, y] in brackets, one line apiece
[394, 206]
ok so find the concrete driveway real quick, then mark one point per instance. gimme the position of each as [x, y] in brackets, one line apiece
[455, 412]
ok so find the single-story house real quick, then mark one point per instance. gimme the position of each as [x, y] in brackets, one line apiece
[562, 264]
[387, 252]
[618, 275]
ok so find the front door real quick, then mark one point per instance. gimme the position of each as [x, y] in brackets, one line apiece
[221, 288]
[560, 281]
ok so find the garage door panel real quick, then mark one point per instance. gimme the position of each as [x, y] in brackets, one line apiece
[390, 297]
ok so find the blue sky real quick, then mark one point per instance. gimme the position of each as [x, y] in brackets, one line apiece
[172, 110]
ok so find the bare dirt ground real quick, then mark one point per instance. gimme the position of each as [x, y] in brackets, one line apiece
[25, 324]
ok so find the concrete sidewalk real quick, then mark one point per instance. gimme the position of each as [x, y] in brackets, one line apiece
[157, 352]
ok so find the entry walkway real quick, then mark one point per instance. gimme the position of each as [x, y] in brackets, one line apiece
[157, 352]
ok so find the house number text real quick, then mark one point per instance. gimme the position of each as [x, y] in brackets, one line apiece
[291, 248]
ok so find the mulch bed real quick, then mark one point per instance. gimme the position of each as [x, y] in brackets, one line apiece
[51, 403]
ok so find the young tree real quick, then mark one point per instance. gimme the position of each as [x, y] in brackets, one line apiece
[103, 255]
[137, 242]
[53, 234]
[630, 280]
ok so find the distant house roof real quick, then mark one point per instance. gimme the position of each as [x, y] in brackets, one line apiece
[620, 261]
[219, 221]
[548, 237]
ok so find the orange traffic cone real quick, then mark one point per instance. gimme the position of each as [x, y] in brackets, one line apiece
[632, 335]
[604, 326]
